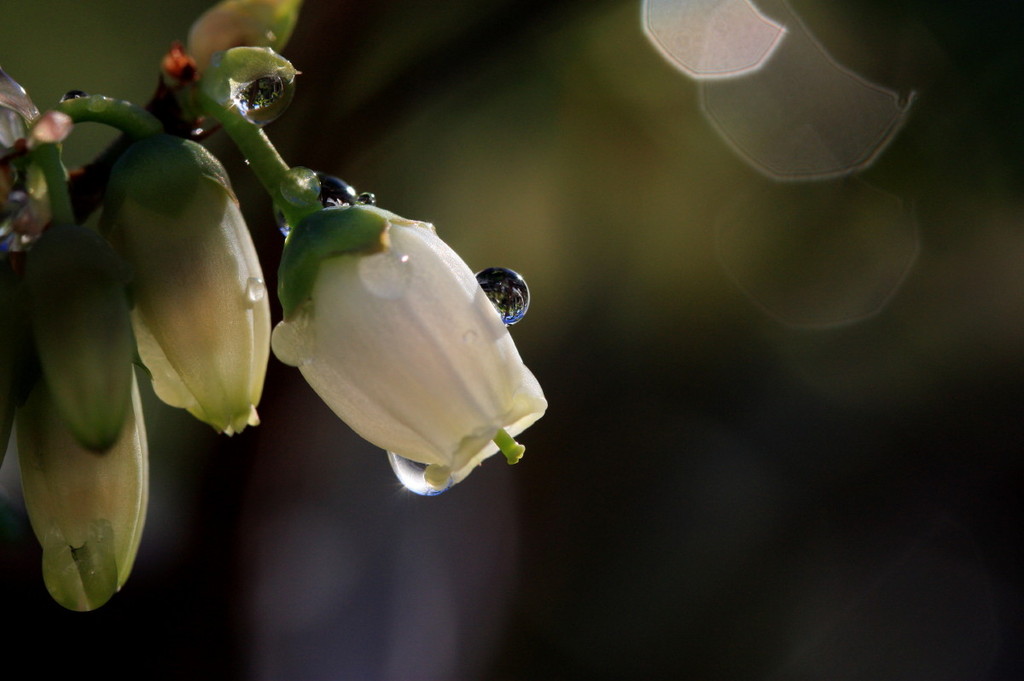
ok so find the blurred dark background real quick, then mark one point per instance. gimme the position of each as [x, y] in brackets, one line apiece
[784, 440]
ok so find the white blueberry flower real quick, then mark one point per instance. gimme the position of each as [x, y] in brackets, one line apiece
[201, 316]
[390, 328]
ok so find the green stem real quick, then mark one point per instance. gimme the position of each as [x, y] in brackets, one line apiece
[262, 157]
[129, 118]
[47, 158]
[291, 189]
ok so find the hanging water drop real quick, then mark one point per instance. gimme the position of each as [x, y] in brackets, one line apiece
[335, 191]
[73, 94]
[282, 224]
[367, 199]
[255, 290]
[262, 100]
[507, 291]
[420, 477]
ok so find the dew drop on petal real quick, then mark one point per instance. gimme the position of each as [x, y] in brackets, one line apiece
[255, 290]
[335, 191]
[367, 199]
[413, 476]
[262, 100]
[73, 94]
[507, 291]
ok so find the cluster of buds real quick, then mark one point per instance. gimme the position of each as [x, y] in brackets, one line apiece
[389, 326]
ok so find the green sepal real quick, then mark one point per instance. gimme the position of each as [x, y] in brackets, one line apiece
[327, 233]
[75, 286]
[162, 173]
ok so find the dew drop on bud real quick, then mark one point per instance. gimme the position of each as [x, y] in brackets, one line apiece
[73, 94]
[262, 100]
[507, 291]
[413, 476]
[335, 191]
[255, 290]
[367, 199]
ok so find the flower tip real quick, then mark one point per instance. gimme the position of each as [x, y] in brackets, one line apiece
[84, 577]
[232, 425]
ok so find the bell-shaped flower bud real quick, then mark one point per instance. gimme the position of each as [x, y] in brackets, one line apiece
[14, 343]
[87, 509]
[238, 23]
[201, 315]
[79, 314]
[390, 327]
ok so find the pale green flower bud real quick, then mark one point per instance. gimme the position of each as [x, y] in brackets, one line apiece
[238, 23]
[79, 313]
[201, 315]
[390, 327]
[87, 509]
[13, 345]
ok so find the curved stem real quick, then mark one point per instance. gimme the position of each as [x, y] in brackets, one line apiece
[261, 155]
[47, 158]
[131, 119]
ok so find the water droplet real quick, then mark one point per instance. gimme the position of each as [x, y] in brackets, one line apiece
[414, 476]
[367, 199]
[100, 103]
[262, 100]
[300, 187]
[255, 290]
[282, 224]
[73, 94]
[335, 191]
[507, 291]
